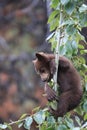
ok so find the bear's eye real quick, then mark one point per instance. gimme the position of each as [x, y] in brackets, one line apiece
[42, 70]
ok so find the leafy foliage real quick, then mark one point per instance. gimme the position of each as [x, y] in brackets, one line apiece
[73, 19]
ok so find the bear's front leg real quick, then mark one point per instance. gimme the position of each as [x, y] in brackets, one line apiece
[60, 112]
[50, 93]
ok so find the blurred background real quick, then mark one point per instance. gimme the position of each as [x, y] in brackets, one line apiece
[23, 30]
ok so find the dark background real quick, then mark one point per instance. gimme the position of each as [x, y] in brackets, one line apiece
[23, 30]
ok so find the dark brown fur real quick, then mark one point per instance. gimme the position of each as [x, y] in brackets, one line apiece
[68, 80]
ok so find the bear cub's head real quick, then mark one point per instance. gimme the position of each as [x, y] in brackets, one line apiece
[44, 65]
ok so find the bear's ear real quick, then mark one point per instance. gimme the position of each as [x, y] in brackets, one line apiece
[41, 56]
[51, 56]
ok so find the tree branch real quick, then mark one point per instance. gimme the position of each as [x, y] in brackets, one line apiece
[58, 36]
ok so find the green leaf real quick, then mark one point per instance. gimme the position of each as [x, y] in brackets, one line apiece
[78, 120]
[45, 109]
[70, 29]
[74, 45]
[28, 122]
[45, 127]
[62, 50]
[51, 120]
[85, 116]
[20, 125]
[39, 117]
[52, 16]
[60, 120]
[9, 127]
[83, 8]
[23, 116]
[64, 2]
[69, 22]
[54, 3]
[76, 128]
[85, 106]
[80, 46]
[62, 127]
[86, 86]
[3, 126]
[42, 127]
[69, 7]
[69, 123]
[83, 17]
[36, 109]
[54, 24]
[83, 51]
[50, 128]
[84, 66]
[69, 50]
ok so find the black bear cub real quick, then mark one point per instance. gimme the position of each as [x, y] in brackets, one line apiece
[68, 80]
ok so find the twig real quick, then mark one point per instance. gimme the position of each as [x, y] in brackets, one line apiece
[14, 122]
[18, 121]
